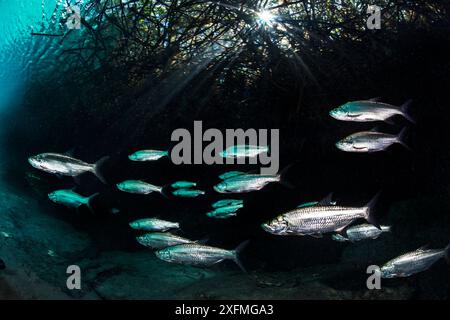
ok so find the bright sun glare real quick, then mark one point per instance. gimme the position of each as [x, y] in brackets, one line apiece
[265, 16]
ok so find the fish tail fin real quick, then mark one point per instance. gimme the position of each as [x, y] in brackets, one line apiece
[447, 253]
[88, 202]
[401, 138]
[236, 252]
[163, 191]
[282, 176]
[96, 169]
[405, 111]
[370, 213]
[386, 228]
[166, 153]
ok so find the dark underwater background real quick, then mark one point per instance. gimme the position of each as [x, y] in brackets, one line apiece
[108, 101]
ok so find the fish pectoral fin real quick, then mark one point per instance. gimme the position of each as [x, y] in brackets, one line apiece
[217, 261]
[389, 121]
[316, 235]
[342, 231]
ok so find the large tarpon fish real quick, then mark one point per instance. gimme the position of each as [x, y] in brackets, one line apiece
[413, 262]
[64, 165]
[370, 110]
[315, 220]
[199, 255]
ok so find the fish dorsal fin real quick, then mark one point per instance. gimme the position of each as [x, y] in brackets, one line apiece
[376, 99]
[308, 204]
[326, 201]
[203, 241]
[70, 152]
[424, 247]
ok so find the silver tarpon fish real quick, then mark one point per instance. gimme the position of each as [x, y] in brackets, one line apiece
[64, 165]
[159, 240]
[370, 141]
[199, 255]
[361, 232]
[148, 155]
[369, 110]
[413, 262]
[154, 224]
[138, 187]
[246, 183]
[318, 219]
[243, 151]
[70, 198]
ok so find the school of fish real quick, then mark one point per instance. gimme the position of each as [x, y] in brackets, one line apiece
[314, 218]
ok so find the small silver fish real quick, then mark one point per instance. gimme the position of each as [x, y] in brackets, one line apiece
[361, 232]
[138, 187]
[318, 219]
[413, 262]
[230, 174]
[243, 151]
[188, 193]
[5, 234]
[246, 183]
[227, 202]
[369, 110]
[159, 240]
[114, 211]
[154, 224]
[370, 141]
[183, 184]
[225, 212]
[64, 165]
[148, 155]
[70, 198]
[199, 255]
